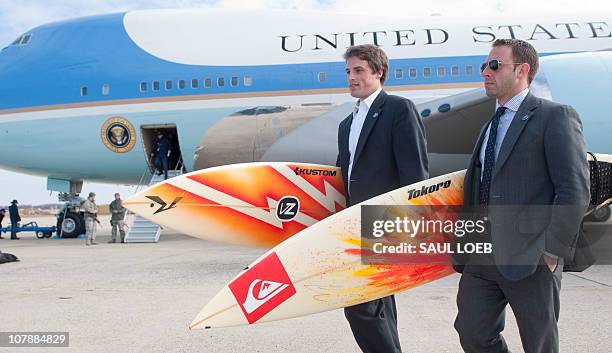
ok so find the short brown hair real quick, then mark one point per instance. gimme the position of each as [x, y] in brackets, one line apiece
[376, 58]
[522, 52]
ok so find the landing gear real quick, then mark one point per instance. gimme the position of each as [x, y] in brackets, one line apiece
[70, 224]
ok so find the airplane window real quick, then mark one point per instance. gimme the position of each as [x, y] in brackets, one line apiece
[105, 89]
[398, 73]
[322, 76]
[143, 87]
[195, 83]
[168, 84]
[427, 72]
[234, 81]
[207, 83]
[181, 84]
[26, 39]
[412, 72]
[454, 70]
[248, 80]
[156, 85]
[17, 41]
[441, 71]
[221, 82]
[83, 91]
[469, 70]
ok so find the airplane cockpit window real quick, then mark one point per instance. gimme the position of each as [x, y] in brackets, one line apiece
[143, 87]
[469, 70]
[195, 83]
[22, 40]
[26, 39]
[156, 85]
[105, 89]
[248, 80]
[234, 81]
[441, 71]
[208, 83]
[181, 84]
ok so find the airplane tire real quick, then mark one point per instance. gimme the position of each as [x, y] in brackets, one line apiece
[73, 225]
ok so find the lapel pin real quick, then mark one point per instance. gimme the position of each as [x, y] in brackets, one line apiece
[525, 118]
[375, 115]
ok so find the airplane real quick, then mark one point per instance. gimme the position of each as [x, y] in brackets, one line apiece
[83, 99]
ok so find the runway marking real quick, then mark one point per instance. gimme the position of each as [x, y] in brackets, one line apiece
[591, 280]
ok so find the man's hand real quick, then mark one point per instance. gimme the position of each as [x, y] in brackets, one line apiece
[551, 262]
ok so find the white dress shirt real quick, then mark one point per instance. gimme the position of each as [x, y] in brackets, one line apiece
[359, 115]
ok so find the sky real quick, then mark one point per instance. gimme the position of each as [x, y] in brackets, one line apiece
[16, 17]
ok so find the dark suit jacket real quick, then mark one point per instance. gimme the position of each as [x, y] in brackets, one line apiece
[541, 163]
[391, 151]
[14, 214]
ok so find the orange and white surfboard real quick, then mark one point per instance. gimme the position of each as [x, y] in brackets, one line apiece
[253, 204]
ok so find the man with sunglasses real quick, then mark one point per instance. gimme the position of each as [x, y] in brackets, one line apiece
[529, 174]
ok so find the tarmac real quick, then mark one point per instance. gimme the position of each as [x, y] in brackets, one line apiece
[141, 297]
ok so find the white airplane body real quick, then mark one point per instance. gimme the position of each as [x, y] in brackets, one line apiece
[241, 86]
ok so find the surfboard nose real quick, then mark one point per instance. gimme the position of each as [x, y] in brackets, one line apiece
[152, 202]
[221, 311]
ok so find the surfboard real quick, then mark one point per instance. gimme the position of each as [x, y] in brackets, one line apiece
[320, 268]
[251, 204]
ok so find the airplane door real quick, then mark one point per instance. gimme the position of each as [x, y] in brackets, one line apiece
[149, 139]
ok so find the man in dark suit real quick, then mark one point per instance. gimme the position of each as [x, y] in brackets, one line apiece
[529, 171]
[162, 154]
[15, 219]
[381, 147]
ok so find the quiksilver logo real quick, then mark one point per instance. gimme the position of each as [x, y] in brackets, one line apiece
[256, 297]
[302, 171]
[413, 193]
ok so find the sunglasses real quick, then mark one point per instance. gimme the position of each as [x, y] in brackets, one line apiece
[494, 65]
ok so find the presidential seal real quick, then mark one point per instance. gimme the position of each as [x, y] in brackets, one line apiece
[118, 134]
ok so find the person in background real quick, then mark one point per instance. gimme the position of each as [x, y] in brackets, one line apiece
[117, 219]
[15, 219]
[162, 154]
[2, 214]
[91, 217]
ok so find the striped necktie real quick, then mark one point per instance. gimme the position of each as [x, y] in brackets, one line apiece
[489, 162]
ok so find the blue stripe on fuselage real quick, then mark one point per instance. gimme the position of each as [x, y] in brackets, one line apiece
[93, 51]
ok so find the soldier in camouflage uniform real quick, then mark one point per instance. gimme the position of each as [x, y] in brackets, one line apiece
[91, 217]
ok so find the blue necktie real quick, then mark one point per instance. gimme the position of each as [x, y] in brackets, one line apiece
[489, 162]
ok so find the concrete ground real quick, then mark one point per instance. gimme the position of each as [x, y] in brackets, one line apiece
[141, 297]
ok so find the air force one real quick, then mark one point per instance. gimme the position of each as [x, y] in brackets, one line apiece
[83, 99]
